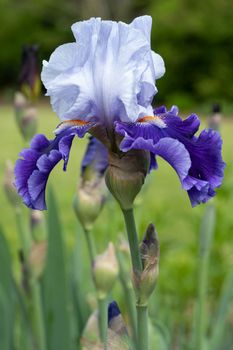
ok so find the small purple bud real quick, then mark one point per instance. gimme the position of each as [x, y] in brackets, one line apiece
[29, 80]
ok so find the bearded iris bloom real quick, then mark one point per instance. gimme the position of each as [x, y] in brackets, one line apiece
[104, 84]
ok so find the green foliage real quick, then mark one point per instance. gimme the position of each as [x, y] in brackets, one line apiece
[56, 285]
[193, 37]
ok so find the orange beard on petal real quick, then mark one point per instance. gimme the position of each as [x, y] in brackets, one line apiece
[70, 123]
[148, 119]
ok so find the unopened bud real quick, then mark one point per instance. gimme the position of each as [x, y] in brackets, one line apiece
[9, 187]
[105, 271]
[20, 101]
[144, 282]
[117, 332]
[29, 80]
[37, 224]
[29, 123]
[37, 258]
[89, 202]
[125, 175]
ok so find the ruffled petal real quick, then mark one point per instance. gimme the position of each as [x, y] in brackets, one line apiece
[36, 163]
[169, 149]
[206, 167]
[109, 73]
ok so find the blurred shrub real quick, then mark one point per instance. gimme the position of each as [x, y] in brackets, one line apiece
[194, 37]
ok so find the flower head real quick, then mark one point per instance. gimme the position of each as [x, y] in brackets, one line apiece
[104, 83]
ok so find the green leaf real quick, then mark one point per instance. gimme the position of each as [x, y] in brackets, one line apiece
[220, 319]
[7, 300]
[206, 235]
[56, 303]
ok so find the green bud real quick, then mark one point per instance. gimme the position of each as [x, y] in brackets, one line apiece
[105, 271]
[125, 175]
[144, 282]
[37, 258]
[28, 124]
[89, 201]
[20, 101]
[26, 116]
[37, 225]
[9, 187]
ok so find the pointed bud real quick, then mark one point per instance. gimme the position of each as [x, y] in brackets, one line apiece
[28, 124]
[126, 174]
[29, 79]
[37, 224]
[20, 101]
[9, 187]
[37, 258]
[105, 271]
[89, 201]
[117, 332]
[144, 283]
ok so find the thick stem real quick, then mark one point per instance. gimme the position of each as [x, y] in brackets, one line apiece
[142, 311]
[142, 316]
[102, 302]
[37, 317]
[103, 320]
[133, 239]
[90, 245]
[24, 239]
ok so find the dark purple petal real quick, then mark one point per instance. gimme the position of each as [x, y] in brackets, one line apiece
[113, 311]
[169, 149]
[38, 179]
[96, 156]
[206, 166]
[36, 163]
[23, 170]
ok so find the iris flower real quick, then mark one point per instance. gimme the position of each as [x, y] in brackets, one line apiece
[104, 84]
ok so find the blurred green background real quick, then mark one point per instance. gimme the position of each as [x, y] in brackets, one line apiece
[195, 38]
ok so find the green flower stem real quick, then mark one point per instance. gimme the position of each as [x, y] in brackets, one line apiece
[90, 245]
[206, 236]
[142, 316]
[129, 296]
[103, 320]
[24, 239]
[102, 302]
[132, 311]
[142, 311]
[37, 317]
[133, 239]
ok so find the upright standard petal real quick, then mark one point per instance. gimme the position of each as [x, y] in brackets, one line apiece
[33, 168]
[109, 72]
[197, 160]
